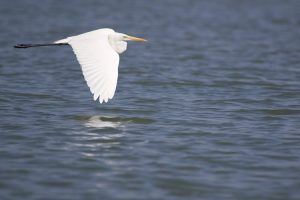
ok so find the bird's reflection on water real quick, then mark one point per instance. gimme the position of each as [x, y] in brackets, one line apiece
[102, 132]
[99, 123]
[99, 132]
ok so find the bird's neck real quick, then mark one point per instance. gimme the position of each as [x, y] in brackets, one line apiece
[118, 45]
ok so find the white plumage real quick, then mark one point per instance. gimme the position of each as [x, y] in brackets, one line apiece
[98, 54]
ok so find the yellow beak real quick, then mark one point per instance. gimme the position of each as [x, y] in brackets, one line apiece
[136, 39]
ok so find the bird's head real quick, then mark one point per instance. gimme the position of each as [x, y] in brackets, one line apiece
[118, 41]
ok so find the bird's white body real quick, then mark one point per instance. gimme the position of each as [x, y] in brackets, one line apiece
[98, 54]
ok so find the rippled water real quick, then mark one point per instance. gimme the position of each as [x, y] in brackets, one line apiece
[207, 109]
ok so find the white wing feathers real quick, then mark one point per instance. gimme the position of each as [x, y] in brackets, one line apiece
[99, 63]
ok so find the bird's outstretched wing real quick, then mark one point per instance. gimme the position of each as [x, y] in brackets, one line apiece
[99, 63]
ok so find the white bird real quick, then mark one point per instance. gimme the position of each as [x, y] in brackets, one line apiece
[98, 54]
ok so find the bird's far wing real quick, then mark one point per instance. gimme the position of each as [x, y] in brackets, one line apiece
[99, 64]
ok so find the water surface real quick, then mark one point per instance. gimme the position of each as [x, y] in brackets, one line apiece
[207, 109]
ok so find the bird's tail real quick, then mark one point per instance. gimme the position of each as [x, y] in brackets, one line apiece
[38, 45]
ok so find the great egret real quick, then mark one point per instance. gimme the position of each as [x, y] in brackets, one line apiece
[98, 54]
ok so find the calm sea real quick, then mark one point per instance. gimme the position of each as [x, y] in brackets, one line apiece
[208, 109]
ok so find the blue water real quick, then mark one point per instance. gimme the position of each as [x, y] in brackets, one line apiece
[209, 108]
